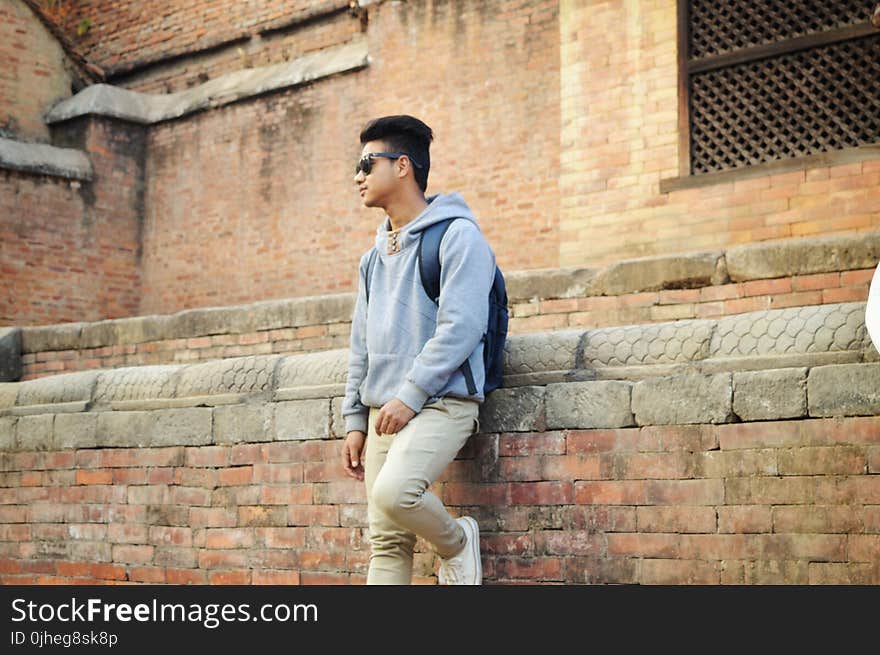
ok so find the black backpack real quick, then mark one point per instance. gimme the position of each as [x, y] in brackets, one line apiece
[496, 330]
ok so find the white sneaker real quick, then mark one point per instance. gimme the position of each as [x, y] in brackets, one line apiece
[464, 568]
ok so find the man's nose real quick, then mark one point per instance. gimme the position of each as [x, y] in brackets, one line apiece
[358, 176]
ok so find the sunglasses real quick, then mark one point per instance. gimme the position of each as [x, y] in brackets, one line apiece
[366, 162]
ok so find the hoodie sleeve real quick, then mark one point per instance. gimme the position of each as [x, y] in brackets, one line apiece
[467, 271]
[356, 414]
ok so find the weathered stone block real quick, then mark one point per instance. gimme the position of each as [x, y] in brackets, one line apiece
[337, 420]
[690, 398]
[302, 419]
[803, 256]
[604, 404]
[76, 430]
[768, 395]
[651, 273]
[844, 390]
[63, 336]
[550, 283]
[243, 423]
[513, 410]
[35, 432]
[183, 427]
[7, 432]
[8, 394]
[125, 429]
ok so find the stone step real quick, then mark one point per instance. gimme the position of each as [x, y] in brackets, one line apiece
[761, 276]
[790, 363]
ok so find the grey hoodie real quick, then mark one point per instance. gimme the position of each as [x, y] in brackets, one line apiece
[403, 346]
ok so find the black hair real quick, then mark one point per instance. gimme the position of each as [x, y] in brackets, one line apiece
[404, 134]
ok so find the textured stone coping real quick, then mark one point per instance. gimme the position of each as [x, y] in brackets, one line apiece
[45, 159]
[784, 338]
[107, 100]
[239, 319]
[754, 261]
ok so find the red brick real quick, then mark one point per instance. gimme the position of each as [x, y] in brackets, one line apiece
[571, 467]
[324, 578]
[845, 294]
[275, 577]
[676, 572]
[313, 515]
[817, 281]
[522, 444]
[676, 519]
[767, 287]
[770, 434]
[537, 568]
[540, 493]
[592, 441]
[569, 542]
[290, 494]
[643, 545]
[185, 576]
[235, 476]
[239, 577]
[213, 456]
[746, 518]
[857, 278]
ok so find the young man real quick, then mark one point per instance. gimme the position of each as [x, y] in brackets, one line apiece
[408, 409]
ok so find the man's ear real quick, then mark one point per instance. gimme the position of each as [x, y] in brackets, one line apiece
[403, 165]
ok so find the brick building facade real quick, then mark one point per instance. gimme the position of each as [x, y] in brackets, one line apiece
[558, 121]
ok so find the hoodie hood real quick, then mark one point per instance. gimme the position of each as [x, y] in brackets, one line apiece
[440, 207]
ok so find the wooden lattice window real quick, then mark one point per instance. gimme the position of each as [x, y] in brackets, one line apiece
[771, 80]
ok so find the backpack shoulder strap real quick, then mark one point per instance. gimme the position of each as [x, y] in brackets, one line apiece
[429, 257]
[370, 262]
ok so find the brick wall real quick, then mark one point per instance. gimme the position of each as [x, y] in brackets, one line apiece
[557, 121]
[620, 138]
[271, 48]
[127, 486]
[256, 201]
[34, 74]
[70, 250]
[126, 34]
[706, 504]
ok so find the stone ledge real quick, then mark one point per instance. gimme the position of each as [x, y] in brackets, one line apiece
[190, 323]
[782, 338]
[146, 108]
[786, 257]
[754, 261]
[44, 159]
[811, 361]
[676, 400]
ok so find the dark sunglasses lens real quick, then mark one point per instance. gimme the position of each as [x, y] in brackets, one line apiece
[365, 165]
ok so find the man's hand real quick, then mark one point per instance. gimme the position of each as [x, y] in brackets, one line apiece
[392, 417]
[352, 454]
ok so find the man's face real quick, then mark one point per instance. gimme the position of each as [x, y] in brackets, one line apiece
[377, 187]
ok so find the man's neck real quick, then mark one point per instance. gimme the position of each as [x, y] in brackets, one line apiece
[402, 211]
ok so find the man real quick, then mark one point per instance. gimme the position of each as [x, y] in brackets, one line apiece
[408, 408]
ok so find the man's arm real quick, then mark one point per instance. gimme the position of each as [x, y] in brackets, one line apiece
[355, 412]
[467, 270]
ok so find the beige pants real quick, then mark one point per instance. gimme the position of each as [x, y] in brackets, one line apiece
[398, 468]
